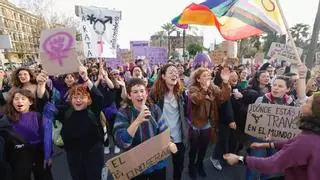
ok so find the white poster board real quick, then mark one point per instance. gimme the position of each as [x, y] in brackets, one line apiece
[277, 120]
[99, 28]
[283, 52]
[58, 53]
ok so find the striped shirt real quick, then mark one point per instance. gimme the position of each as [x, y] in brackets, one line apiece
[154, 126]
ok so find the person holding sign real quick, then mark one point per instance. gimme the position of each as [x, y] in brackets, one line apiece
[278, 95]
[299, 157]
[137, 122]
[204, 98]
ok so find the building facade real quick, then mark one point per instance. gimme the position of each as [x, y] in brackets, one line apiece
[24, 30]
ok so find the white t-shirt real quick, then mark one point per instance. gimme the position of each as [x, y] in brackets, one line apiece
[171, 114]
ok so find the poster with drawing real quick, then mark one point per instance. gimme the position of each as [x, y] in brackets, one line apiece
[135, 161]
[277, 120]
[99, 28]
[58, 53]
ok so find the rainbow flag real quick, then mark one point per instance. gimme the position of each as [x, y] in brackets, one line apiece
[196, 14]
[239, 19]
[247, 18]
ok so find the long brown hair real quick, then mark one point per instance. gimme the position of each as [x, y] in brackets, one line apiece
[159, 87]
[15, 77]
[11, 112]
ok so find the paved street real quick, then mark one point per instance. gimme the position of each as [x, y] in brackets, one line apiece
[60, 169]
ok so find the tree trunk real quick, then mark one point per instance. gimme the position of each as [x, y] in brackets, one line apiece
[314, 40]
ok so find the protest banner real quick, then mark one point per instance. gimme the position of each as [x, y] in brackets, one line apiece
[99, 28]
[127, 56]
[259, 58]
[317, 62]
[5, 42]
[277, 120]
[283, 52]
[135, 161]
[156, 55]
[217, 56]
[138, 47]
[58, 51]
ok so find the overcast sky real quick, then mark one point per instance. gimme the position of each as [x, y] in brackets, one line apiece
[142, 18]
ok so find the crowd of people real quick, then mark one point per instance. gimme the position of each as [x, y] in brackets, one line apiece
[200, 102]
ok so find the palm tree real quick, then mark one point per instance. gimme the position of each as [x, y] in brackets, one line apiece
[169, 28]
[160, 35]
[300, 33]
[314, 40]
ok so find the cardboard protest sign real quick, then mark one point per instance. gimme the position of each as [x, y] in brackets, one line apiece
[99, 28]
[217, 56]
[135, 161]
[317, 62]
[283, 52]
[127, 56]
[277, 120]
[259, 58]
[58, 53]
[5, 42]
[232, 49]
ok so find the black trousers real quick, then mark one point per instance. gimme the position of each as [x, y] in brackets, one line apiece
[226, 142]
[199, 141]
[29, 160]
[178, 161]
[155, 175]
[86, 165]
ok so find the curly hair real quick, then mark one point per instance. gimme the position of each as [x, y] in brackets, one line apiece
[159, 87]
[196, 75]
[15, 77]
[79, 89]
[11, 112]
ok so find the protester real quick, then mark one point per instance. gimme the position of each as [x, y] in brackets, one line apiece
[82, 132]
[137, 122]
[293, 156]
[204, 98]
[28, 156]
[167, 92]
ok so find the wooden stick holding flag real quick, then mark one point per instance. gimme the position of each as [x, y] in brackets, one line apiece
[288, 32]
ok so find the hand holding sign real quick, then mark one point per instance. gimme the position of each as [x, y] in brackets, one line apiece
[42, 78]
[173, 147]
[225, 74]
[302, 70]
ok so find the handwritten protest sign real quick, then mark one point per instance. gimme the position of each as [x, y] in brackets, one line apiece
[317, 62]
[283, 52]
[277, 120]
[217, 56]
[58, 51]
[132, 163]
[99, 28]
[259, 58]
[126, 56]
